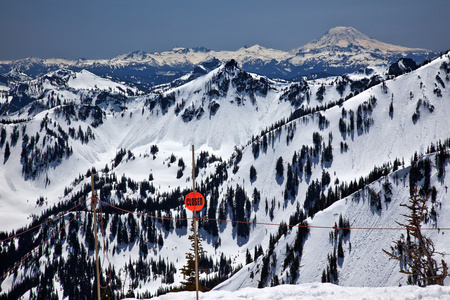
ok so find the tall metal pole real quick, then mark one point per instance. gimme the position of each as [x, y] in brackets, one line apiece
[94, 204]
[195, 225]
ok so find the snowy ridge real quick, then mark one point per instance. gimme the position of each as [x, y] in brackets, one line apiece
[195, 56]
[62, 86]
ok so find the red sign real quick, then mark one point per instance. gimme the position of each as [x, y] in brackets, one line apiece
[194, 201]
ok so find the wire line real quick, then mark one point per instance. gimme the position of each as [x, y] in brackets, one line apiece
[43, 223]
[42, 244]
[273, 224]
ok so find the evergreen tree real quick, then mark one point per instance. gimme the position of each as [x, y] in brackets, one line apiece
[7, 152]
[418, 256]
[2, 136]
[279, 167]
[143, 248]
[293, 269]
[340, 248]
[240, 203]
[248, 257]
[264, 142]
[256, 196]
[324, 276]
[252, 173]
[391, 109]
[188, 270]
[308, 167]
[255, 149]
[291, 184]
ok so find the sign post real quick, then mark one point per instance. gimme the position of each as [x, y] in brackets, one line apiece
[94, 204]
[194, 201]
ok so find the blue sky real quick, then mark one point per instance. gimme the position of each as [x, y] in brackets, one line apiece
[107, 28]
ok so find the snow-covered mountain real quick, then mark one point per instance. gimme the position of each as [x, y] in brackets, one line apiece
[201, 95]
[344, 49]
[345, 37]
[340, 50]
[58, 87]
[268, 152]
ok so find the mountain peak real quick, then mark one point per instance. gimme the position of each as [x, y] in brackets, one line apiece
[138, 55]
[254, 48]
[345, 37]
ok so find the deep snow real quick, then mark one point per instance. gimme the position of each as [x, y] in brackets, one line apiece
[319, 291]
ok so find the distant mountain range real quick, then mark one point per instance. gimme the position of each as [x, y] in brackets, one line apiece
[340, 50]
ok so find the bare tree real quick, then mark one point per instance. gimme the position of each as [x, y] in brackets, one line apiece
[418, 255]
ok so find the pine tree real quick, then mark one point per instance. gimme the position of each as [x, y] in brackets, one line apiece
[308, 167]
[340, 248]
[418, 255]
[248, 257]
[2, 137]
[188, 270]
[279, 167]
[7, 153]
[252, 173]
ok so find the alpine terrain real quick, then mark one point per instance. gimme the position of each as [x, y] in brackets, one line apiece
[303, 180]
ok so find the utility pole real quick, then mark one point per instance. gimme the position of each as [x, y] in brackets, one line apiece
[94, 204]
[195, 225]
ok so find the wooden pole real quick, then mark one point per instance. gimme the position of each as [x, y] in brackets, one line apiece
[94, 204]
[195, 225]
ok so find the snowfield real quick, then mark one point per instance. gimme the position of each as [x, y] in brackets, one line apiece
[319, 291]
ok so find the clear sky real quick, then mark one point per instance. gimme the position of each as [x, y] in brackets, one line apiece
[107, 28]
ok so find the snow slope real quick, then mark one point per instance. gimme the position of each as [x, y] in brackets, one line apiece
[319, 291]
[388, 138]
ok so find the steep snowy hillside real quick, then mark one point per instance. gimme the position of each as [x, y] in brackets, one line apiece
[192, 110]
[268, 153]
[367, 139]
[340, 50]
[217, 111]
